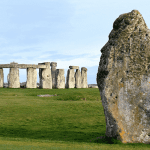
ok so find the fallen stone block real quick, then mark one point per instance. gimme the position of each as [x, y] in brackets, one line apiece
[47, 95]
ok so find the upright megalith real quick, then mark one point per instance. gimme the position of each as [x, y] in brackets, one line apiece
[123, 79]
[31, 78]
[73, 79]
[53, 70]
[1, 78]
[60, 79]
[45, 76]
[77, 79]
[14, 76]
[84, 83]
[70, 79]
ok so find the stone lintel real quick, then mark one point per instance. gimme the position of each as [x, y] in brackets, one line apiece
[74, 67]
[47, 64]
[22, 66]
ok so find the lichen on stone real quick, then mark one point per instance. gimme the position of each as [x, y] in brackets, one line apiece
[123, 79]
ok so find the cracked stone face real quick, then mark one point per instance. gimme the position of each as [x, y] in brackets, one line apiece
[123, 79]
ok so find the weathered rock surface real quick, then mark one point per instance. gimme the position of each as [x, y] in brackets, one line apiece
[70, 79]
[1, 78]
[77, 79]
[13, 81]
[60, 79]
[45, 76]
[123, 79]
[84, 83]
[53, 71]
[31, 78]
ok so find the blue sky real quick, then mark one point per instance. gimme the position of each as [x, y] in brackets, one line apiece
[69, 32]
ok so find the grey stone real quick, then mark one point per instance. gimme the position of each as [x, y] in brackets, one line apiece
[53, 70]
[1, 78]
[46, 95]
[14, 77]
[78, 79]
[21, 66]
[45, 76]
[92, 86]
[70, 79]
[74, 67]
[84, 83]
[123, 79]
[31, 78]
[60, 79]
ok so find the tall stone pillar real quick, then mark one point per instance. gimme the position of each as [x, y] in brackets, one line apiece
[78, 79]
[14, 76]
[1, 78]
[53, 70]
[45, 76]
[70, 83]
[60, 79]
[70, 79]
[31, 78]
[84, 78]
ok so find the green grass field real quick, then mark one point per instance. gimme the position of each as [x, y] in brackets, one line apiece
[72, 120]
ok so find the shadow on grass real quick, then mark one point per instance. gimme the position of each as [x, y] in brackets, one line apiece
[47, 134]
[70, 136]
[110, 140]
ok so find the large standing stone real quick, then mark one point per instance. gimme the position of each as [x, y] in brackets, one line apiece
[14, 77]
[53, 70]
[123, 79]
[1, 78]
[84, 83]
[60, 79]
[45, 76]
[31, 78]
[70, 79]
[78, 79]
